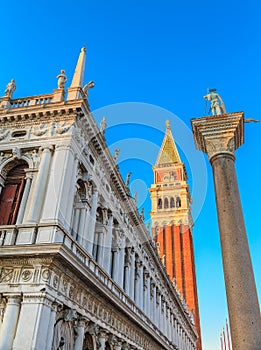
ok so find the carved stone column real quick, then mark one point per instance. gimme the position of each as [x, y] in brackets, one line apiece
[28, 180]
[142, 289]
[115, 264]
[52, 317]
[132, 274]
[118, 346]
[10, 320]
[107, 247]
[127, 264]
[102, 337]
[78, 343]
[39, 187]
[137, 283]
[92, 222]
[153, 303]
[2, 311]
[219, 137]
[121, 260]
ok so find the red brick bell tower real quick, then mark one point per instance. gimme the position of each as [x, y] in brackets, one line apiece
[172, 223]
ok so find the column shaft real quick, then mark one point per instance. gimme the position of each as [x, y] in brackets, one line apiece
[78, 343]
[107, 246]
[37, 198]
[9, 325]
[24, 200]
[132, 275]
[92, 222]
[244, 313]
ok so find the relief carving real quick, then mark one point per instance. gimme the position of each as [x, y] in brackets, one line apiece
[40, 131]
[6, 274]
[26, 275]
[3, 133]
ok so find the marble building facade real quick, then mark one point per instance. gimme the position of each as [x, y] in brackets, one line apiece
[78, 267]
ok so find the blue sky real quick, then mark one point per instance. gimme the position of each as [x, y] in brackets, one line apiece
[162, 56]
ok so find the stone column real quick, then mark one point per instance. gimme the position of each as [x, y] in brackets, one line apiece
[219, 137]
[160, 313]
[137, 283]
[28, 180]
[37, 197]
[52, 317]
[2, 310]
[75, 224]
[115, 265]
[117, 346]
[107, 246]
[81, 226]
[127, 264]
[102, 337]
[132, 274]
[122, 260]
[153, 304]
[142, 289]
[92, 222]
[10, 321]
[146, 292]
[101, 237]
[78, 343]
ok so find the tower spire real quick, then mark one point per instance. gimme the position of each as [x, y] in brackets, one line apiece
[168, 152]
[75, 90]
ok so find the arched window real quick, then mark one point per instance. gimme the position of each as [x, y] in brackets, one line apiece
[178, 202]
[159, 203]
[166, 203]
[172, 202]
[12, 193]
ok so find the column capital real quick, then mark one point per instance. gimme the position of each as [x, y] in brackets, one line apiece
[46, 147]
[221, 134]
[13, 298]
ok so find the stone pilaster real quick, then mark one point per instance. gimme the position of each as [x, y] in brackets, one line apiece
[219, 137]
[37, 197]
[10, 321]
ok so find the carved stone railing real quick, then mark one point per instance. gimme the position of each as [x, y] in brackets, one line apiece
[31, 101]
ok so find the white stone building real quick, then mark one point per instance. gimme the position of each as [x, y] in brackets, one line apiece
[78, 269]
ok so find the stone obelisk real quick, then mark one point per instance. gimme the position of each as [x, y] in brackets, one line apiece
[219, 136]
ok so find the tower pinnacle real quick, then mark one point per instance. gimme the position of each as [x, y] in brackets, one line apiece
[75, 90]
[168, 152]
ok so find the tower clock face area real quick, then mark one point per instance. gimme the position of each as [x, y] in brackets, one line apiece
[169, 175]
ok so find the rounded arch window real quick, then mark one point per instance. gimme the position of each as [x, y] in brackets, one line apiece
[172, 202]
[166, 203]
[159, 203]
[178, 202]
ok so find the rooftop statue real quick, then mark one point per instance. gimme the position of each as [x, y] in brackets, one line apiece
[62, 79]
[88, 86]
[116, 155]
[127, 182]
[10, 88]
[217, 105]
[103, 125]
